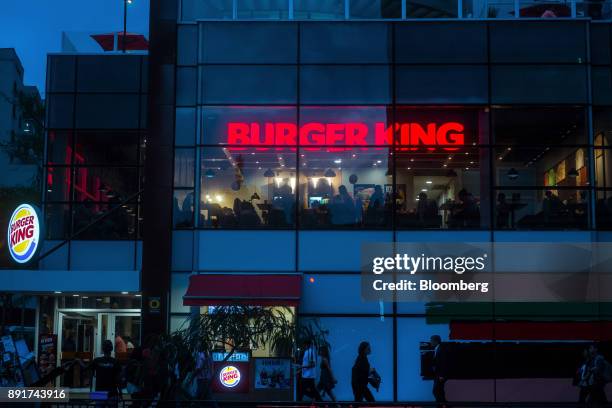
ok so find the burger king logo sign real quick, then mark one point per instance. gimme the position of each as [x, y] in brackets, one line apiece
[23, 233]
[229, 376]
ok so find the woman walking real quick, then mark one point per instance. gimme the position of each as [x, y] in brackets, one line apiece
[327, 381]
[360, 373]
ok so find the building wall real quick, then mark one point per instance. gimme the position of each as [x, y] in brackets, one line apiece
[493, 67]
[94, 151]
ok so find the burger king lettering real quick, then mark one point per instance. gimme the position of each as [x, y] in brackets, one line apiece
[229, 376]
[23, 233]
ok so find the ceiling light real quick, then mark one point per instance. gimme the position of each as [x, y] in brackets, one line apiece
[428, 182]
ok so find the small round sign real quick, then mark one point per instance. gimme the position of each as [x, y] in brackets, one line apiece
[23, 233]
[229, 376]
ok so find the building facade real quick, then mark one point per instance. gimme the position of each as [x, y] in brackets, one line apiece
[281, 139]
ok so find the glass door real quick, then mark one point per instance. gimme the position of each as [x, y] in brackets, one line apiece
[76, 340]
[124, 331]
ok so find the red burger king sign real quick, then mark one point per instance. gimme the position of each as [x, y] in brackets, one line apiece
[229, 376]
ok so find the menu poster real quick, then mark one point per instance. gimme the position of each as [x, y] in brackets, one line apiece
[47, 353]
[272, 373]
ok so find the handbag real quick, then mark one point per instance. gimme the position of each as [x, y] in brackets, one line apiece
[374, 379]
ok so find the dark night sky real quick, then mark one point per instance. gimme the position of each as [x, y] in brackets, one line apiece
[34, 27]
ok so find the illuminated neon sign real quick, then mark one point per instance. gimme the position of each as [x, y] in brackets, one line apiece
[448, 135]
[229, 376]
[23, 233]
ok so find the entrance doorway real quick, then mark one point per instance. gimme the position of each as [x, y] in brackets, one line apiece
[81, 332]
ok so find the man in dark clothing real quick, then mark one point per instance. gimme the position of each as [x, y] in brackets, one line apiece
[439, 369]
[107, 371]
[597, 377]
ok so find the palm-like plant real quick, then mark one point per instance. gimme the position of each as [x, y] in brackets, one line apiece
[229, 329]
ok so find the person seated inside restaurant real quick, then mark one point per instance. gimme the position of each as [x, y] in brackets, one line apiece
[467, 214]
[503, 211]
[342, 208]
[552, 207]
[245, 213]
[427, 212]
[375, 213]
[283, 206]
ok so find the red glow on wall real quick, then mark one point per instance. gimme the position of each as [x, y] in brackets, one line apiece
[447, 135]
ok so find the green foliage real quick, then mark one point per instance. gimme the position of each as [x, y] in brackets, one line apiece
[230, 328]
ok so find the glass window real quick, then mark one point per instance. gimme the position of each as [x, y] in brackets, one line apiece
[539, 126]
[187, 45]
[112, 184]
[223, 43]
[60, 110]
[246, 125]
[337, 42]
[441, 84]
[58, 183]
[107, 111]
[472, 367]
[603, 169]
[551, 9]
[184, 167]
[57, 221]
[345, 187]
[363, 9]
[247, 188]
[436, 188]
[594, 9]
[271, 9]
[186, 86]
[59, 148]
[248, 84]
[119, 223]
[431, 9]
[600, 44]
[345, 334]
[532, 41]
[108, 73]
[537, 209]
[61, 73]
[192, 10]
[113, 148]
[543, 187]
[601, 78]
[317, 10]
[183, 208]
[345, 84]
[541, 166]
[538, 84]
[185, 126]
[435, 42]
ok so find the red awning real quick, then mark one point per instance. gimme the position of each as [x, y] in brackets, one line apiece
[251, 289]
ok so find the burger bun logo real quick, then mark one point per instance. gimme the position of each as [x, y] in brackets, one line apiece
[23, 234]
[229, 376]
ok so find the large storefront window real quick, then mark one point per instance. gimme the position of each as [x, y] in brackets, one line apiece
[385, 167]
[541, 168]
[602, 124]
[346, 187]
[247, 188]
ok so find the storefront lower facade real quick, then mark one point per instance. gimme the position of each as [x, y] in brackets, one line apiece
[295, 143]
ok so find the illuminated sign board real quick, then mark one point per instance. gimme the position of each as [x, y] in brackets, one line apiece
[229, 376]
[447, 135]
[23, 233]
[236, 356]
